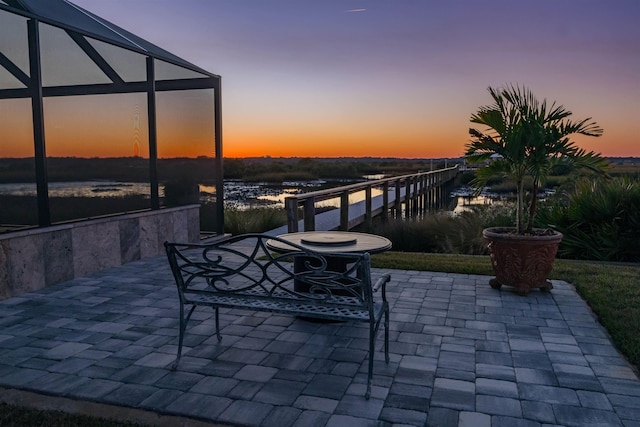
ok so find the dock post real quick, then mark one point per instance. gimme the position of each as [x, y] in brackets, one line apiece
[291, 206]
[309, 214]
[344, 211]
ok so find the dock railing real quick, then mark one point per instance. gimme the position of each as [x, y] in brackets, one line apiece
[409, 195]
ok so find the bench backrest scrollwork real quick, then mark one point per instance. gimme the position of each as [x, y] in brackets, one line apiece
[245, 266]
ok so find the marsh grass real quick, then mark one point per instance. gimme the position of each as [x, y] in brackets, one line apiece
[443, 233]
[253, 220]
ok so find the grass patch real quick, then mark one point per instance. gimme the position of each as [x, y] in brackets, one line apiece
[612, 290]
[446, 263]
[18, 416]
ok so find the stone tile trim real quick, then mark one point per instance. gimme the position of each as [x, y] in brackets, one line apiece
[39, 257]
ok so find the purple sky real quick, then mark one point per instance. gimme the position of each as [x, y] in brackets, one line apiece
[396, 76]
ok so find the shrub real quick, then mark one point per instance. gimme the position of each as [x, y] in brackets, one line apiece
[407, 235]
[600, 219]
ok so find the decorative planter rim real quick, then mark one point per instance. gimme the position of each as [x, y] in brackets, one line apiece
[508, 233]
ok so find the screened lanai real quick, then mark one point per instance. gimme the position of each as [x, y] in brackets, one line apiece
[95, 121]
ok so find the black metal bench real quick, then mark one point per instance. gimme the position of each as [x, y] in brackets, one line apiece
[242, 272]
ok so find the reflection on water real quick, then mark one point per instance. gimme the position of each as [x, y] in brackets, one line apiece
[374, 177]
[466, 203]
[237, 194]
[278, 199]
[79, 189]
[355, 197]
[244, 195]
[466, 199]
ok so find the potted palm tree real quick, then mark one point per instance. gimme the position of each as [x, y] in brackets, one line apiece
[523, 140]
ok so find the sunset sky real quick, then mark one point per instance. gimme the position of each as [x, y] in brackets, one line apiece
[395, 78]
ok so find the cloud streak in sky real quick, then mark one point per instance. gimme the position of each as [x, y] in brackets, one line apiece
[355, 10]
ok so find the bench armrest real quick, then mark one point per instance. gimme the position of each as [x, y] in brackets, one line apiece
[382, 281]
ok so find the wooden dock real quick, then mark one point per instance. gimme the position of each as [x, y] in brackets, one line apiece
[402, 196]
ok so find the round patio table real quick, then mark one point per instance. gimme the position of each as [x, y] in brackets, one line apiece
[326, 243]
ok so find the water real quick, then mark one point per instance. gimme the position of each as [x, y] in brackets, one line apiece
[244, 195]
[79, 189]
[467, 200]
[237, 194]
[467, 203]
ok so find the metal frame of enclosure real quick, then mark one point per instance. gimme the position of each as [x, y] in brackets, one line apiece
[88, 31]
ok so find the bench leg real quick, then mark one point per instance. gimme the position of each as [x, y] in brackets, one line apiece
[373, 332]
[218, 325]
[386, 334]
[183, 327]
[372, 339]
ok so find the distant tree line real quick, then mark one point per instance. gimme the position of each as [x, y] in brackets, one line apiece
[202, 169]
[319, 168]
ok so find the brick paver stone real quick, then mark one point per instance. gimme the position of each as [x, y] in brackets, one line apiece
[462, 354]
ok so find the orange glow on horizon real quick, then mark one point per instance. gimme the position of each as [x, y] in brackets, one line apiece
[120, 129]
[195, 146]
[399, 81]
[310, 147]
[342, 140]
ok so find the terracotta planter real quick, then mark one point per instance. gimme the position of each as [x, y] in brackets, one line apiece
[523, 262]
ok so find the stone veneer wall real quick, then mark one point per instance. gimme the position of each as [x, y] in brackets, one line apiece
[35, 258]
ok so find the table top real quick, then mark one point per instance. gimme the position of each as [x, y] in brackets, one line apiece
[333, 241]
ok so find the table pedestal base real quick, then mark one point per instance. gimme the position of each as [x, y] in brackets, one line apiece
[339, 265]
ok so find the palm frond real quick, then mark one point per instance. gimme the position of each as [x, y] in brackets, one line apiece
[530, 137]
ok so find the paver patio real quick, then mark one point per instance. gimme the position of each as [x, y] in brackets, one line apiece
[462, 354]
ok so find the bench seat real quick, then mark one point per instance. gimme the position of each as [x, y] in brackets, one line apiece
[242, 272]
[348, 310]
